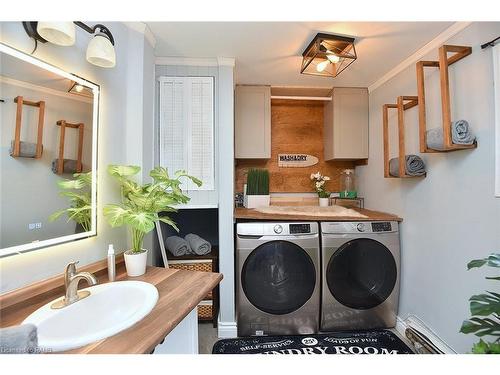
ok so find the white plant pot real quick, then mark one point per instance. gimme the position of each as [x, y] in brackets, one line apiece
[135, 263]
[254, 201]
[324, 202]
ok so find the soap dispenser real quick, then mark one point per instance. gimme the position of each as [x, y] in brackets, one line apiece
[111, 263]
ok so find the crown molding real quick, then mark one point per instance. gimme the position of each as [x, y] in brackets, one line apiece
[412, 59]
[189, 61]
[226, 61]
[142, 28]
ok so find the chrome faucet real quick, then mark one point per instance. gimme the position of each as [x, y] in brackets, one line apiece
[71, 280]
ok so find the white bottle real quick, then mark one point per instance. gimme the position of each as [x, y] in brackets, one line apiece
[111, 263]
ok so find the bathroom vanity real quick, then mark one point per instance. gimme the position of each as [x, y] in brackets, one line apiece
[170, 328]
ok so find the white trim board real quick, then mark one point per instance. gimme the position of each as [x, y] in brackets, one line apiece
[227, 330]
[142, 28]
[496, 83]
[412, 59]
[195, 61]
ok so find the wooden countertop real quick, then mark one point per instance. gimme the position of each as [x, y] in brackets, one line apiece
[179, 292]
[241, 214]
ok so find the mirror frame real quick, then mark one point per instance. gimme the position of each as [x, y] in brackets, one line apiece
[18, 249]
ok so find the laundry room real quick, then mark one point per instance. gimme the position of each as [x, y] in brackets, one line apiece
[250, 187]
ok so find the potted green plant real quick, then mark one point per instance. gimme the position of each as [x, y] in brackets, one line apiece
[319, 185]
[141, 205]
[485, 311]
[80, 208]
[257, 193]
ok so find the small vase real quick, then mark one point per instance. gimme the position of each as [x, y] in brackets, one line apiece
[135, 263]
[254, 201]
[324, 202]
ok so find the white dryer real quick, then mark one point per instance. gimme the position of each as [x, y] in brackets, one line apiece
[360, 275]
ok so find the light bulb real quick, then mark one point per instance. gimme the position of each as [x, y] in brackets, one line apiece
[333, 58]
[322, 65]
[78, 88]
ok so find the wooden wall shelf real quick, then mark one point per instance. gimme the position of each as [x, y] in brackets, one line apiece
[19, 100]
[459, 52]
[403, 103]
[60, 161]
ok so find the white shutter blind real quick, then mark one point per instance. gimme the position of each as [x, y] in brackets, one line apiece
[187, 128]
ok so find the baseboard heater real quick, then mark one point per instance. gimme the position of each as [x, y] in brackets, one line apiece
[423, 339]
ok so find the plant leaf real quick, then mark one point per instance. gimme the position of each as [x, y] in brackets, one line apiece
[480, 327]
[169, 221]
[142, 221]
[123, 170]
[484, 304]
[476, 263]
[56, 215]
[493, 260]
[493, 278]
[115, 215]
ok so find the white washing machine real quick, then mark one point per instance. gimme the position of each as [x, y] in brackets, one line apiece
[277, 278]
[360, 275]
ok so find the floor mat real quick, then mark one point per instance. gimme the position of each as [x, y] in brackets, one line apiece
[367, 342]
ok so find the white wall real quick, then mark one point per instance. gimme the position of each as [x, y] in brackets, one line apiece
[451, 216]
[115, 129]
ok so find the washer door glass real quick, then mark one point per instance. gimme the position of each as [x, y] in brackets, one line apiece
[361, 274]
[278, 277]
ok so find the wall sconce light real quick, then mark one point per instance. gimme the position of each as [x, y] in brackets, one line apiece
[100, 51]
[328, 55]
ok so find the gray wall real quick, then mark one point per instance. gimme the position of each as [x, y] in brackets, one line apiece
[29, 187]
[115, 129]
[451, 216]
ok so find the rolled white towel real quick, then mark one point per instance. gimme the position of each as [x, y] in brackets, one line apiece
[22, 339]
[178, 246]
[198, 244]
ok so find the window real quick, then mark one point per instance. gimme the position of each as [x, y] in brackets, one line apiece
[187, 128]
[496, 75]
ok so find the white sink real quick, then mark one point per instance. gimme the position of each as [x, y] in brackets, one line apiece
[110, 308]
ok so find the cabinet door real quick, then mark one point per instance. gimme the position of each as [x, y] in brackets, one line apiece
[253, 122]
[346, 124]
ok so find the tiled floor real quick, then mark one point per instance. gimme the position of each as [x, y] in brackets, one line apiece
[207, 337]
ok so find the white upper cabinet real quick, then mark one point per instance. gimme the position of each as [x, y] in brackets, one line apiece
[346, 124]
[253, 122]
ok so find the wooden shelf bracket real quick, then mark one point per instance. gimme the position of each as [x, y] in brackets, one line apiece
[403, 103]
[459, 52]
[60, 161]
[19, 100]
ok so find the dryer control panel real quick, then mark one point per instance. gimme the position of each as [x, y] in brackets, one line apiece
[339, 227]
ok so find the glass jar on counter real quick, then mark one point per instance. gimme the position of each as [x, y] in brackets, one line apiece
[348, 184]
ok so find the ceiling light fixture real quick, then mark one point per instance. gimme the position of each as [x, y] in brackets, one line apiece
[328, 55]
[100, 50]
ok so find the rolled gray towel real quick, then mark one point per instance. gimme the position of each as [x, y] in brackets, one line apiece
[415, 166]
[69, 166]
[460, 135]
[26, 149]
[178, 246]
[198, 244]
[21, 339]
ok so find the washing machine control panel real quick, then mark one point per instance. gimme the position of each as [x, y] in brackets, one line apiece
[299, 228]
[382, 226]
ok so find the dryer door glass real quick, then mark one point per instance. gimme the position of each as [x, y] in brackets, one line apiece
[278, 277]
[361, 274]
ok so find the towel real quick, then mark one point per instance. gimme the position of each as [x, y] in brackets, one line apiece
[69, 166]
[18, 339]
[178, 246]
[460, 135]
[414, 166]
[26, 149]
[198, 245]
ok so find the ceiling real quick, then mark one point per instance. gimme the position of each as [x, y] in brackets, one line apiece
[270, 52]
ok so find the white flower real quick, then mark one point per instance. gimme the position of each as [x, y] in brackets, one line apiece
[317, 176]
[326, 178]
[312, 176]
[318, 185]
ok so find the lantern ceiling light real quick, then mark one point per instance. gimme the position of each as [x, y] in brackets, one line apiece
[328, 55]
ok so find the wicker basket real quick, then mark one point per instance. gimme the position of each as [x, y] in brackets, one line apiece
[205, 310]
[204, 265]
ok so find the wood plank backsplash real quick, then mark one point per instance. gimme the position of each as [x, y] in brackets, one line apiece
[296, 127]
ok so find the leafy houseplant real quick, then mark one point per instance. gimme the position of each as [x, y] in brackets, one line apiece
[80, 208]
[485, 311]
[141, 205]
[257, 193]
[319, 186]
